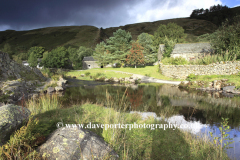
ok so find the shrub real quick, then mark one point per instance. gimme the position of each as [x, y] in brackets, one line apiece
[87, 73]
[175, 61]
[22, 142]
[209, 59]
[169, 45]
[46, 72]
[191, 77]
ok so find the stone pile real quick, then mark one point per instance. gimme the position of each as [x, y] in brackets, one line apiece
[132, 80]
[217, 85]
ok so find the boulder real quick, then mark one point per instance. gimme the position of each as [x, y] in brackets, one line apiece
[1, 104]
[115, 79]
[50, 89]
[82, 75]
[12, 118]
[63, 80]
[58, 88]
[229, 89]
[60, 83]
[132, 81]
[75, 143]
[217, 84]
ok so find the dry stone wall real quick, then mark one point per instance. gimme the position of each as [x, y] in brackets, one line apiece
[182, 71]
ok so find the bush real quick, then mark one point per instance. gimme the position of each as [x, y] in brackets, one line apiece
[168, 48]
[209, 59]
[46, 72]
[175, 61]
[87, 73]
[191, 77]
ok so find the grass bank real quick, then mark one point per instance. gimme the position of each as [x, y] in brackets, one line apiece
[150, 71]
[129, 144]
[233, 79]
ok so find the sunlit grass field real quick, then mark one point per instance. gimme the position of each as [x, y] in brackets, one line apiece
[150, 71]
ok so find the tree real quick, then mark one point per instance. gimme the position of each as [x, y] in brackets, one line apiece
[38, 51]
[227, 37]
[168, 48]
[32, 60]
[57, 58]
[7, 49]
[146, 41]
[77, 55]
[172, 31]
[136, 55]
[101, 54]
[119, 45]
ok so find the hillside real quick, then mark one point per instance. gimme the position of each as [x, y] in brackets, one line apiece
[89, 36]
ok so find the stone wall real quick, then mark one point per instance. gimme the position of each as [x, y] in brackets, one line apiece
[182, 71]
[10, 69]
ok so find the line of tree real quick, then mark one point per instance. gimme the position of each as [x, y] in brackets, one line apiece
[121, 49]
[226, 39]
[217, 14]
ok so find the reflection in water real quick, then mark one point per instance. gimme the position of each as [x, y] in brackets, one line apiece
[202, 111]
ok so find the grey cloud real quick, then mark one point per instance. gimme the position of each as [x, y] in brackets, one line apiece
[29, 14]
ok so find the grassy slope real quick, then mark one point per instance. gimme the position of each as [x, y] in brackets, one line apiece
[129, 144]
[89, 36]
[193, 27]
[151, 71]
[50, 37]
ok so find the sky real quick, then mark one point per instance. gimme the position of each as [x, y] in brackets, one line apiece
[33, 14]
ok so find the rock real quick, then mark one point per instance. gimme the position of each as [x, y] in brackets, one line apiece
[115, 80]
[58, 88]
[1, 104]
[74, 77]
[10, 69]
[217, 84]
[224, 80]
[30, 83]
[185, 82]
[132, 81]
[74, 144]
[229, 89]
[50, 89]
[12, 118]
[82, 75]
[34, 96]
[63, 80]
[106, 80]
[210, 84]
[127, 79]
[60, 83]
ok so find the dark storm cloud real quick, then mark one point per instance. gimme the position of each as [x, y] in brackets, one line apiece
[29, 14]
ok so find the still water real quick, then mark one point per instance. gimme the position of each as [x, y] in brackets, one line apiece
[201, 110]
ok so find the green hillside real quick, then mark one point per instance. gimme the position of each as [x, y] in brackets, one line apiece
[89, 36]
[50, 37]
[193, 27]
